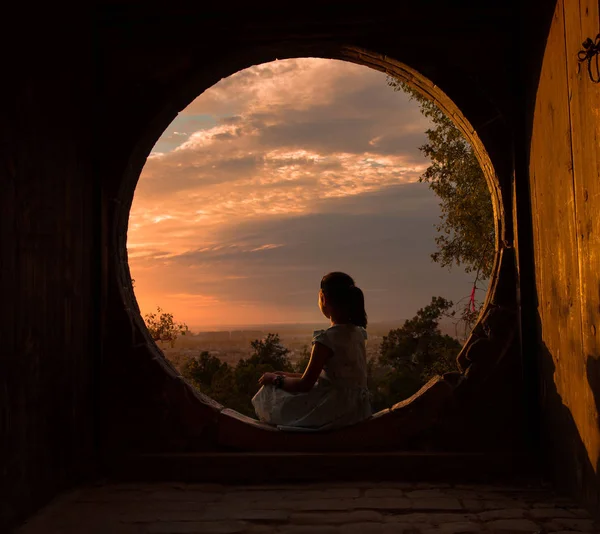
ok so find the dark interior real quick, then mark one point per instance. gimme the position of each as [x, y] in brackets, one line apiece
[85, 393]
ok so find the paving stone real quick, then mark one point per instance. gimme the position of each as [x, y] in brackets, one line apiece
[325, 504]
[489, 488]
[361, 528]
[182, 505]
[550, 513]
[437, 503]
[258, 495]
[262, 516]
[200, 486]
[503, 504]
[289, 504]
[98, 528]
[511, 513]
[473, 505]
[455, 528]
[307, 529]
[153, 507]
[179, 494]
[385, 493]
[580, 512]
[323, 518]
[390, 484]
[139, 495]
[510, 526]
[462, 494]
[259, 529]
[531, 496]
[275, 487]
[148, 516]
[431, 518]
[400, 503]
[192, 527]
[425, 493]
[579, 524]
[306, 486]
[405, 517]
[550, 526]
[68, 522]
[111, 496]
[335, 508]
[403, 528]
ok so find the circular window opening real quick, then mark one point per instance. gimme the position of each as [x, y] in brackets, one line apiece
[288, 170]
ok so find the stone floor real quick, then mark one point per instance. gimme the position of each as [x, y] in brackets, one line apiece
[335, 508]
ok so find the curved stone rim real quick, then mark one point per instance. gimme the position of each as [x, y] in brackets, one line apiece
[199, 411]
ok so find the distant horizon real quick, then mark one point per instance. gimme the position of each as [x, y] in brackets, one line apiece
[216, 327]
[265, 326]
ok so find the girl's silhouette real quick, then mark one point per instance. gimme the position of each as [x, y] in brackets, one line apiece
[332, 392]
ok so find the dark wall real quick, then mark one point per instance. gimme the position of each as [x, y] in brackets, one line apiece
[562, 132]
[47, 272]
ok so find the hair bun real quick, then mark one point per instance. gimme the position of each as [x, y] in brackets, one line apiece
[342, 292]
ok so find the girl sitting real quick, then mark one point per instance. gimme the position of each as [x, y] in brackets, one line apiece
[332, 392]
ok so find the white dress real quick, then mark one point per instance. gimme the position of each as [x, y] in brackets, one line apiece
[340, 396]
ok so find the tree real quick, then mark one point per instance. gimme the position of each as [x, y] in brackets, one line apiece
[270, 351]
[162, 327]
[411, 355]
[302, 363]
[201, 371]
[215, 379]
[234, 387]
[466, 235]
[419, 340]
[269, 355]
[389, 385]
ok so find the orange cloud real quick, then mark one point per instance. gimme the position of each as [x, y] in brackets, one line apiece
[278, 141]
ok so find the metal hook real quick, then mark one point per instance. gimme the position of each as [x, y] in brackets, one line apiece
[591, 49]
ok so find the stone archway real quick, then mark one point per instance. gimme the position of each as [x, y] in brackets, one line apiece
[435, 416]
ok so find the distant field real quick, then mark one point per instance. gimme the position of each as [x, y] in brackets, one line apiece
[231, 346]
[232, 351]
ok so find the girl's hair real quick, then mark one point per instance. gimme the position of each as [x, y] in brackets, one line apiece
[340, 291]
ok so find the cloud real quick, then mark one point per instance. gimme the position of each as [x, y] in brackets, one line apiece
[269, 246]
[273, 177]
[389, 248]
[293, 84]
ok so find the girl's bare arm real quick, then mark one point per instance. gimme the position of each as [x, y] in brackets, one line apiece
[291, 375]
[306, 381]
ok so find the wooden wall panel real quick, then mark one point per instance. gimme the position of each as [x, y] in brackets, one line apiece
[582, 20]
[46, 279]
[585, 125]
[565, 192]
[551, 174]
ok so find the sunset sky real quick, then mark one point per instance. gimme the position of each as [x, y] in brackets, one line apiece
[272, 178]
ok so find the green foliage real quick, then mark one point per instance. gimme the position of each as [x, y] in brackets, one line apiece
[302, 363]
[234, 387]
[419, 339]
[413, 354]
[202, 371]
[270, 351]
[466, 232]
[389, 385]
[162, 327]
[409, 357]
